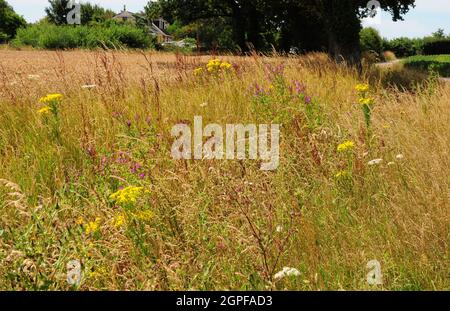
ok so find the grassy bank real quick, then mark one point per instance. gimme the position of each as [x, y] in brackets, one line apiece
[437, 63]
[327, 211]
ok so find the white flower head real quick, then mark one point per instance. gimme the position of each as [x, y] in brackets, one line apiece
[88, 86]
[279, 228]
[375, 162]
[286, 272]
[34, 77]
[400, 157]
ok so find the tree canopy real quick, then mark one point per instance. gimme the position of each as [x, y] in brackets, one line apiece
[57, 12]
[307, 25]
[9, 21]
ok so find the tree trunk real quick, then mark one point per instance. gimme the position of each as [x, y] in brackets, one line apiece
[343, 27]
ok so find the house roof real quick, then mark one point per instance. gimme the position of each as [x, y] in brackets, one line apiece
[124, 14]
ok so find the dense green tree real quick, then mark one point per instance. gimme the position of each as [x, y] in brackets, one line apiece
[331, 25]
[57, 13]
[370, 40]
[9, 22]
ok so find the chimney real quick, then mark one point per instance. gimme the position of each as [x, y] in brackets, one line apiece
[124, 8]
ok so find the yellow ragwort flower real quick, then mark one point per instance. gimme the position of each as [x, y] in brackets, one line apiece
[51, 98]
[44, 110]
[92, 226]
[198, 71]
[127, 195]
[119, 221]
[362, 88]
[342, 174]
[348, 145]
[144, 215]
[366, 101]
[225, 66]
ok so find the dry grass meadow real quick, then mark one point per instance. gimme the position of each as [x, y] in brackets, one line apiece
[218, 225]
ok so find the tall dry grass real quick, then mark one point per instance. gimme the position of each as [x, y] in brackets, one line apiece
[218, 224]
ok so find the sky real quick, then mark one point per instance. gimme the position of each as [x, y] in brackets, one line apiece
[425, 18]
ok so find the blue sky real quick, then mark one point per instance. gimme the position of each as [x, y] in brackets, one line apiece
[427, 17]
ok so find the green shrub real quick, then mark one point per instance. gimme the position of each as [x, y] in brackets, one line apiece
[436, 47]
[47, 36]
[404, 47]
[370, 41]
[436, 63]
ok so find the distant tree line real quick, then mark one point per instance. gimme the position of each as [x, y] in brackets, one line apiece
[9, 22]
[303, 25]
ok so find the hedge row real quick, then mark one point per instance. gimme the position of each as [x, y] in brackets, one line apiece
[47, 36]
[436, 47]
[437, 63]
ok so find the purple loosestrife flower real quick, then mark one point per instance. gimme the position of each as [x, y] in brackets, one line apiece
[259, 90]
[300, 88]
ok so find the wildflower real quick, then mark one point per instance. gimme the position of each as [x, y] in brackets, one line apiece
[119, 221]
[279, 229]
[44, 110]
[88, 86]
[127, 195]
[51, 98]
[345, 146]
[366, 101]
[286, 272]
[225, 66]
[400, 157]
[362, 88]
[216, 65]
[34, 77]
[308, 100]
[198, 71]
[92, 226]
[79, 221]
[342, 174]
[144, 215]
[375, 162]
[299, 87]
[213, 65]
[391, 163]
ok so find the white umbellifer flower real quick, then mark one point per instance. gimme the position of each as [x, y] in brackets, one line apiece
[88, 86]
[34, 77]
[279, 229]
[375, 162]
[400, 156]
[286, 272]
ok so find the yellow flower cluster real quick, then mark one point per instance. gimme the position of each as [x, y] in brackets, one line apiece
[51, 98]
[362, 88]
[92, 226]
[119, 221]
[363, 92]
[214, 66]
[342, 174]
[44, 110]
[144, 215]
[127, 195]
[346, 146]
[198, 72]
[366, 101]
